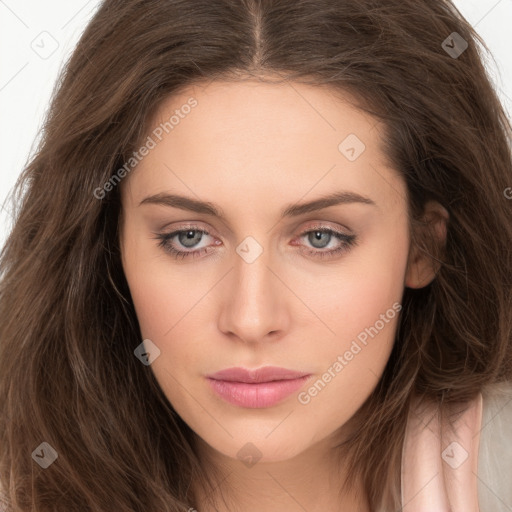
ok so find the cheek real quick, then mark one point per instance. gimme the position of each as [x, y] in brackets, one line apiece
[352, 364]
[153, 300]
[366, 286]
[367, 298]
[162, 292]
[169, 302]
[169, 316]
[362, 307]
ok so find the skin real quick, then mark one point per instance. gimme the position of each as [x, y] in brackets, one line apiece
[252, 149]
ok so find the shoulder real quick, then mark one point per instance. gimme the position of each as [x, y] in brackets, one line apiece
[435, 471]
[495, 449]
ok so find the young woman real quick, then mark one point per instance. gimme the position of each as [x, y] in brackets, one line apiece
[262, 261]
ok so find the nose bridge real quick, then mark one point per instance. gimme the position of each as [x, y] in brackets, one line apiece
[254, 305]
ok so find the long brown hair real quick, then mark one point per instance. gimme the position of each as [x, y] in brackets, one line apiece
[68, 329]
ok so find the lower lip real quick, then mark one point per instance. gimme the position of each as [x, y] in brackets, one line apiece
[256, 396]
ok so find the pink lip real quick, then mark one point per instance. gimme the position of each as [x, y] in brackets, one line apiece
[263, 387]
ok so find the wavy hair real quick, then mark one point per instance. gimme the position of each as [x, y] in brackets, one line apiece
[68, 329]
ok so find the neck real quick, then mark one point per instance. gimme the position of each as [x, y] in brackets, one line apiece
[311, 480]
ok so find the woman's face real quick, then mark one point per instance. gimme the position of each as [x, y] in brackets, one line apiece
[261, 282]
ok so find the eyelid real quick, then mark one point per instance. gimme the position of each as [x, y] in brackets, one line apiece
[327, 225]
[181, 225]
[200, 226]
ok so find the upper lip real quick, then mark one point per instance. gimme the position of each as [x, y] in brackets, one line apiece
[265, 374]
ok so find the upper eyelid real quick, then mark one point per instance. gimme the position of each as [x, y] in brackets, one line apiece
[322, 225]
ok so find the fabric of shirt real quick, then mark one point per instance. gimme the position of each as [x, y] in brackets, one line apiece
[461, 460]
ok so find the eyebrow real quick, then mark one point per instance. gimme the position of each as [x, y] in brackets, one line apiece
[293, 210]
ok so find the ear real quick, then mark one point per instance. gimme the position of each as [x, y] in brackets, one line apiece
[421, 267]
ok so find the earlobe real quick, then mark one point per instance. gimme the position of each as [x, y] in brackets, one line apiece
[421, 266]
[420, 271]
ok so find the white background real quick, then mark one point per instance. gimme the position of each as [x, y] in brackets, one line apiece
[27, 79]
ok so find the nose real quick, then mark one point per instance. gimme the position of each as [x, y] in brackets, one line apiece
[254, 306]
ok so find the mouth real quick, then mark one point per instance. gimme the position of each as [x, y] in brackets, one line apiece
[256, 389]
[258, 375]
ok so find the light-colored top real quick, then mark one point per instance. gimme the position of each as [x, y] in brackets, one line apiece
[464, 469]
[467, 469]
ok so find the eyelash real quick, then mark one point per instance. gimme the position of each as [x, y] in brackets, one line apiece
[347, 241]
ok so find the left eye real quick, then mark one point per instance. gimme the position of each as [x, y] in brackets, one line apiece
[318, 237]
[187, 238]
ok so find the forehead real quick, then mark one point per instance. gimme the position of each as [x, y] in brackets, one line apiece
[252, 112]
[254, 139]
